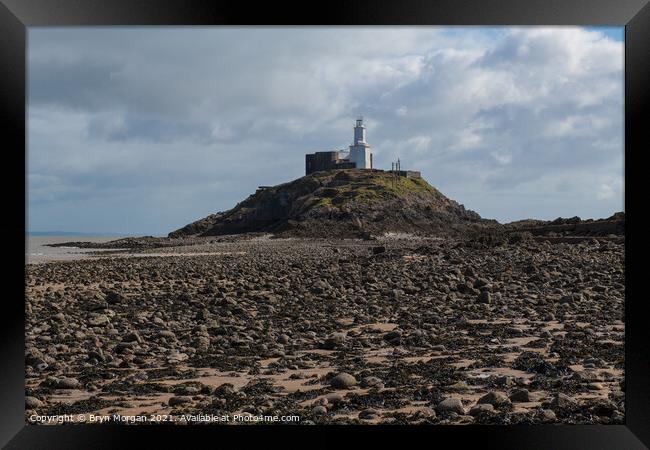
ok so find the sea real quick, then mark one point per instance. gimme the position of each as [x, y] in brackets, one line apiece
[37, 252]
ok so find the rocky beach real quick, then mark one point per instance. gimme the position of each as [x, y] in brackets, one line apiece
[397, 329]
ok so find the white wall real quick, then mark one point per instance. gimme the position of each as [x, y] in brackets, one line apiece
[360, 155]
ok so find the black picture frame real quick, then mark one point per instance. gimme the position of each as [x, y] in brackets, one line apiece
[17, 15]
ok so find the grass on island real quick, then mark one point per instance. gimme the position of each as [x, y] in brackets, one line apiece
[368, 188]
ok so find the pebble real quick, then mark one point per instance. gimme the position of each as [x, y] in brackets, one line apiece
[132, 337]
[343, 381]
[450, 405]
[113, 298]
[479, 408]
[393, 337]
[334, 398]
[368, 414]
[495, 399]
[98, 319]
[484, 297]
[426, 412]
[334, 341]
[520, 396]
[563, 401]
[67, 383]
[166, 334]
[179, 400]
[32, 402]
[548, 415]
[370, 382]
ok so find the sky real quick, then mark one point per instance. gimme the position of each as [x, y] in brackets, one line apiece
[141, 130]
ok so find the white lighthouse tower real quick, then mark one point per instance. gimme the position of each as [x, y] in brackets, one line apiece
[360, 150]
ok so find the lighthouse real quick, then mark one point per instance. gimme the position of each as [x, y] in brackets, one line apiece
[360, 150]
[359, 156]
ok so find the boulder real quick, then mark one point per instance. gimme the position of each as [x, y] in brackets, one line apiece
[343, 381]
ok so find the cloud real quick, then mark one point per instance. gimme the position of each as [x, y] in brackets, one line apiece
[191, 120]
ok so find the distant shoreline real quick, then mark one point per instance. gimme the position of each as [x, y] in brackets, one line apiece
[38, 250]
[74, 233]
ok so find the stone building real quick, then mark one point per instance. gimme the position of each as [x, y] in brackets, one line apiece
[318, 161]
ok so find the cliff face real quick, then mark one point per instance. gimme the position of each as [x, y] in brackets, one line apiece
[197, 228]
[341, 203]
